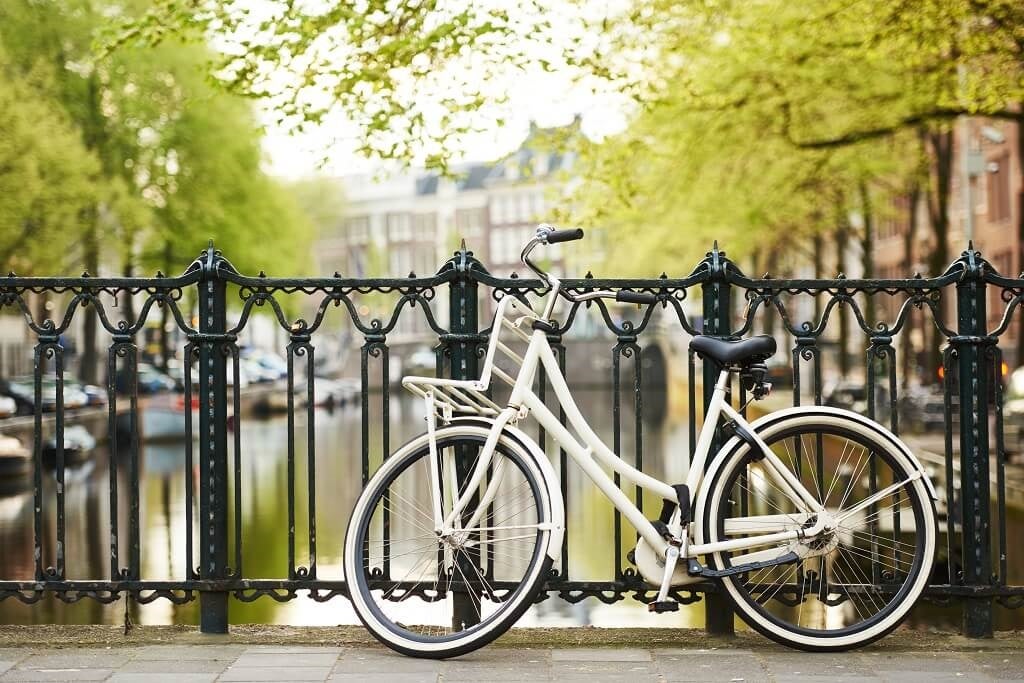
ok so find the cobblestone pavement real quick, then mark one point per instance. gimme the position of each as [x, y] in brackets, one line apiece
[197, 663]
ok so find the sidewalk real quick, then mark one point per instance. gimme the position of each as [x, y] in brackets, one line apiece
[186, 659]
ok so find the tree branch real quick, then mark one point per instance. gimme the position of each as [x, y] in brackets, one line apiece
[911, 121]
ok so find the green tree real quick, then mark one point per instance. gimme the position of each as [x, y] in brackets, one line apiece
[179, 160]
[415, 78]
[48, 180]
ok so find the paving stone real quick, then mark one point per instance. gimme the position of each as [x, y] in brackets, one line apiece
[944, 662]
[717, 667]
[182, 652]
[4, 666]
[601, 655]
[297, 673]
[162, 678]
[927, 676]
[275, 659]
[76, 658]
[185, 666]
[604, 671]
[378, 661]
[388, 677]
[697, 651]
[64, 674]
[1000, 666]
[294, 649]
[809, 664]
[509, 670]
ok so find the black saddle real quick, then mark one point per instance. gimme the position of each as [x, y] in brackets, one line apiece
[734, 351]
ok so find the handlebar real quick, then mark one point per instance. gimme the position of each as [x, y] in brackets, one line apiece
[547, 234]
[630, 297]
[556, 236]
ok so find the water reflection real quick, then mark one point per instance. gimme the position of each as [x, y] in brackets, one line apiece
[264, 474]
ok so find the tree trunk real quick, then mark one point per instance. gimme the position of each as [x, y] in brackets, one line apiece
[1019, 360]
[906, 349]
[940, 143]
[867, 243]
[165, 317]
[128, 269]
[842, 236]
[88, 360]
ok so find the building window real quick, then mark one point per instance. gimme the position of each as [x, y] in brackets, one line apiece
[424, 227]
[357, 229]
[399, 229]
[998, 181]
[469, 223]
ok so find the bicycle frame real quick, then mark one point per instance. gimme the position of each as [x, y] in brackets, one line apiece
[590, 453]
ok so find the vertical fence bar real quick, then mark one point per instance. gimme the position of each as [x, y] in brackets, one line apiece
[973, 388]
[213, 445]
[718, 615]
[463, 312]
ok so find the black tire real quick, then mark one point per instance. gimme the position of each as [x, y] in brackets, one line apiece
[516, 600]
[727, 482]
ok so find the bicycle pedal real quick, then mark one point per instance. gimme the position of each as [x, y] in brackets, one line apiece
[663, 606]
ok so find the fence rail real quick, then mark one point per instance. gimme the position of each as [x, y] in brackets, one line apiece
[809, 313]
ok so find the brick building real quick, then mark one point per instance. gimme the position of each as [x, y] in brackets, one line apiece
[996, 193]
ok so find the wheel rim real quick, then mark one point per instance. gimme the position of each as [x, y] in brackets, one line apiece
[832, 592]
[431, 590]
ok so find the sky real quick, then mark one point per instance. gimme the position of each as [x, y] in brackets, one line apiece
[546, 98]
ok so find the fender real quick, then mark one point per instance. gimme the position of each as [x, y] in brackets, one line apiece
[774, 419]
[533, 449]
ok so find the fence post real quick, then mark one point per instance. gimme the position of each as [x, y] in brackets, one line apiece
[716, 298]
[213, 443]
[973, 378]
[464, 328]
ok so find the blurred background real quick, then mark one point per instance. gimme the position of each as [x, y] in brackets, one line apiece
[871, 139]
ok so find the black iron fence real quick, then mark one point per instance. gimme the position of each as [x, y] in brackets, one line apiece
[825, 322]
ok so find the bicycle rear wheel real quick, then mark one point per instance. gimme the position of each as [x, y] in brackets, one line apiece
[852, 584]
[431, 596]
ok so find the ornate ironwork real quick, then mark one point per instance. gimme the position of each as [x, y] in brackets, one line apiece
[960, 294]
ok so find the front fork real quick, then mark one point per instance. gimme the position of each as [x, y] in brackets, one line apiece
[445, 525]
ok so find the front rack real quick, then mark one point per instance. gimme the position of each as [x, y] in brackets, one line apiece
[453, 397]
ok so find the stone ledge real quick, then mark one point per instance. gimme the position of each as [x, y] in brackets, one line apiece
[61, 636]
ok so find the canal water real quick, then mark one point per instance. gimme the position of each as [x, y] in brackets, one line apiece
[338, 437]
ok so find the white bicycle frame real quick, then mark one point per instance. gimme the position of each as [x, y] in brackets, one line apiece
[447, 398]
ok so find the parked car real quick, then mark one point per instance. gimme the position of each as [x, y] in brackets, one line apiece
[1013, 411]
[264, 366]
[847, 395]
[23, 391]
[922, 408]
[8, 406]
[422, 362]
[95, 396]
[149, 378]
[23, 397]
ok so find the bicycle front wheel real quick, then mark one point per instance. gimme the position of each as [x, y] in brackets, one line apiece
[853, 583]
[431, 595]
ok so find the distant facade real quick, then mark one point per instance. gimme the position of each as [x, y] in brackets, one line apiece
[996, 191]
[411, 222]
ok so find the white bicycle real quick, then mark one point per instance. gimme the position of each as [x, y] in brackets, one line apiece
[818, 522]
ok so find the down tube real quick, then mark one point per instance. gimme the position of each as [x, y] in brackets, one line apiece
[583, 458]
[599, 449]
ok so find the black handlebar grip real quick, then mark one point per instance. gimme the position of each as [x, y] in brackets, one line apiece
[629, 297]
[565, 235]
